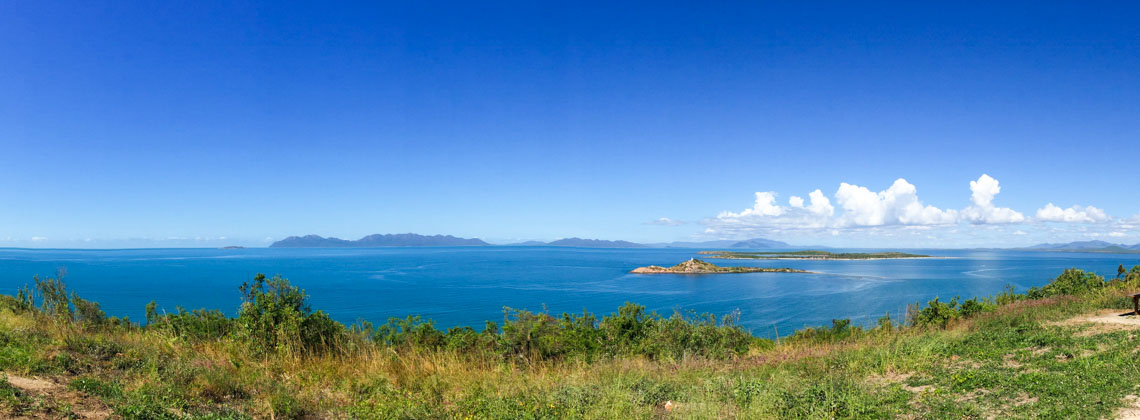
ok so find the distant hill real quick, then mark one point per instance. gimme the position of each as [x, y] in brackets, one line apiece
[1087, 246]
[375, 241]
[690, 244]
[595, 243]
[1075, 245]
[760, 243]
[757, 243]
[529, 243]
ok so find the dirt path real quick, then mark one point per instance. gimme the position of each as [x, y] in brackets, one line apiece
[57, 395]
[1102, 322]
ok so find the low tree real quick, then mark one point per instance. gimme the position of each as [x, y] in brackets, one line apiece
[276, 316]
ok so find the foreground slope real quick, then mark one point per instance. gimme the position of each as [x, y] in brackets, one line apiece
[1044, 354]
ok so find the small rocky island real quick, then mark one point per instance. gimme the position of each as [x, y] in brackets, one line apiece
[810, 255]
[695, 266]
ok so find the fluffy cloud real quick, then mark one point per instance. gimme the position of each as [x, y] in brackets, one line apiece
[765, 205]
[982, 209]
[897, 208]
[820, 205]
[897, 205]
[1089, 214]
[665, 221]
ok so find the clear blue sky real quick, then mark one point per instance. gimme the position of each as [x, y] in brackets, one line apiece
[153, 124]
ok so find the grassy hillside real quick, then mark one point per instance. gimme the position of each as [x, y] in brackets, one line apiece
[1042, 354]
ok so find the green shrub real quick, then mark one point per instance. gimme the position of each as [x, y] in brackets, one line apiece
[275, 316]
[531, 334]
[151, 312]
[1007, 296]
[196, 325]
[937, 314]
[971, 307]
[97, 347]
[412, 331]
[841, 329]
[53, 296]
[1072, 282]
[88, 312]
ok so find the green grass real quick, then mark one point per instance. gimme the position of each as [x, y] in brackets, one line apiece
[1005, 357]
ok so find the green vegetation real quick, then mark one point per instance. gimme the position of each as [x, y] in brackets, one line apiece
[695, 266]
[810, 255]
[1032, 355]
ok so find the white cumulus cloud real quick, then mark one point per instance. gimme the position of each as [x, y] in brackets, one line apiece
[897, 205]
[1088, 214]
[765, 205]
[820, 205]
[898, 212]
[982, 209]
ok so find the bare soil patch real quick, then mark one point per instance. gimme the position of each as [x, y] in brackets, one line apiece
[83, 406]
[896, 378]
[1131, 411]
[1101, 322]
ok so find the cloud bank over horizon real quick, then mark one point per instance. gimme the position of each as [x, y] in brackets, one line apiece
[898, 212]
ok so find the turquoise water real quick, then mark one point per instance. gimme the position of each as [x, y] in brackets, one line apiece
[466, 286]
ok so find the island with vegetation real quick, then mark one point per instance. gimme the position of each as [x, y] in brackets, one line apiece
[810, 255]
[695, 266]
[1062, 350]
[1086, 246]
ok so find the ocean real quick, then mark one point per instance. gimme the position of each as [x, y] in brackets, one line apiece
[470, 285]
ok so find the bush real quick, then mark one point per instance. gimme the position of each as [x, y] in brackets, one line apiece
[1072, 282]
[841, 329]
[275, 316]
[631, 331]
[88, 312]
[53, 296]
[531, 334]
[412, 331]
[937, 313]
[971, 307]
[1008, 295]
[197, 325]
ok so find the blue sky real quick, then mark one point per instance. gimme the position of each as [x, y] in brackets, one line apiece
[200, 124]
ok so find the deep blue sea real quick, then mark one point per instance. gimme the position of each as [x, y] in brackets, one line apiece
[466, 286]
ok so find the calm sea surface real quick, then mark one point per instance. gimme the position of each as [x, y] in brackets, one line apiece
[466, 286]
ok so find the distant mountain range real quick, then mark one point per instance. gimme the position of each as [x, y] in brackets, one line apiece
[413, 240]
[1087, 246]
[757, 243]
[375, 241]
[584, 243]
